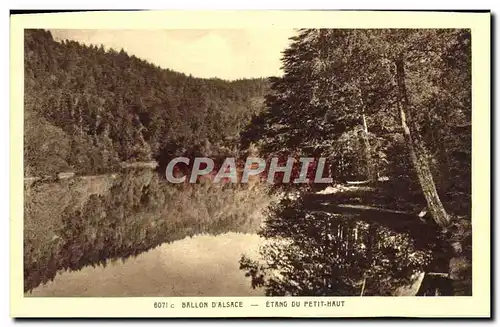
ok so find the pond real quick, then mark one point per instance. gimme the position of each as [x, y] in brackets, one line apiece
[134, 235]
[202, 265]
[70, 225]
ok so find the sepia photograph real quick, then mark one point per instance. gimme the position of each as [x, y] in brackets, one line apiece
[272, 163]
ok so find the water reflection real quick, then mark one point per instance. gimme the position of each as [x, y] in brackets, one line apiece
[310, 248]
[71, 224]
[314, 253]
[203, 265]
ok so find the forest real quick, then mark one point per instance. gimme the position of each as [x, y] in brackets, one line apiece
[88, 109]
[390, 109]
[354, 96]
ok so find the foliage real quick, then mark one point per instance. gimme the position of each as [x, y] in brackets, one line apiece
[108, 106]
[339, 92]
[335, 78]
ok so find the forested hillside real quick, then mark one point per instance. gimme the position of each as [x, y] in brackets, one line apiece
[87, 109]
[389, 109]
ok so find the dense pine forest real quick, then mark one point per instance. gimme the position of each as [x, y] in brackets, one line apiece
[389, 109]
[87, 109]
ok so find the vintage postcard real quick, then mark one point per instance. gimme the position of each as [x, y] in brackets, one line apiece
[250, 164]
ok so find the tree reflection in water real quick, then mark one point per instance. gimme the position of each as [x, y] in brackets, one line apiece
[312, 253]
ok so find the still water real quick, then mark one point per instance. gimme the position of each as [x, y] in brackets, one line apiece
[201, 241]
[203, 265]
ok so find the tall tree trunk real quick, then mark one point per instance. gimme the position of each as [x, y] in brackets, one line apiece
[417, 152]
[370, 168]
[363, 287]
